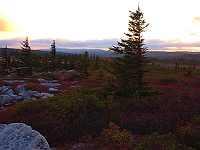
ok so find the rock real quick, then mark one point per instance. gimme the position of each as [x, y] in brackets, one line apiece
[8, 95]
[14, 81]
[54, 90]
[82, 146]
[9, 99]
[46, 95]
[19, 136]
[42, 80]
[51, 85]
[5, 90]
[71, 71]
[20, 89]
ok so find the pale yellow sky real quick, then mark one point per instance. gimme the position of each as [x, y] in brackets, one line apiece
[80, 20]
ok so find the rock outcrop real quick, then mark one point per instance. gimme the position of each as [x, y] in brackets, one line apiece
[9, 96]
[19, 136]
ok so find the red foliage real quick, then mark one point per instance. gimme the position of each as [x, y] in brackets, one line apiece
[69, 85]
[15, 84]
[1, 82]
[91, 84]
[5, 114]
[37, 87]
[33, 80]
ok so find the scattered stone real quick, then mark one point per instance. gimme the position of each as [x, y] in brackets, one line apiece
[51, 85]
[8, 95]
[14, 81]
[5, 90]
[71, 71]
[42, 80]
[46, 95]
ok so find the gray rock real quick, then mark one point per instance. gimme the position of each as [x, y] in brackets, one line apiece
[51, 85]
[71, 71]
[42, 80]
[5, 90]
[19, 136]
[53, 90]
[46, 95]
[14, 81]
[20, 89]
[9, 99]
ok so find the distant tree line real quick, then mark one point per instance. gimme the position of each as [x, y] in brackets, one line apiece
[26, 61]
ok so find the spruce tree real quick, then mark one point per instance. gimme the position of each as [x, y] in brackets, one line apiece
[129, 66]
[26, 57]
[53, 54]
[83, 64]
[4, 56]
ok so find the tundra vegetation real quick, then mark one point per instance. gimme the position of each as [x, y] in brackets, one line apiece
[129, 102]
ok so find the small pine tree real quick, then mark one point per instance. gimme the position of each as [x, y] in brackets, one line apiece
[53, 55]
[129, 68]
[26, 56]
[5, 60]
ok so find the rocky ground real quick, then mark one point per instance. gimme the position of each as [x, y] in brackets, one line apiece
[10, 95]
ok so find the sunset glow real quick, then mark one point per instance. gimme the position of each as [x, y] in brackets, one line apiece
[81, 21]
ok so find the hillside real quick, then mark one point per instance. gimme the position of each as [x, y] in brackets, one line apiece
[107, 54]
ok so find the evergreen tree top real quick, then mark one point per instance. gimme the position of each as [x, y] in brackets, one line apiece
[134, 42]
[25, 44]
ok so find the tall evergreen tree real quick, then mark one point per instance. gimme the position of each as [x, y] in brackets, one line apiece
[129, 68]
[26, 56]
[53, 54]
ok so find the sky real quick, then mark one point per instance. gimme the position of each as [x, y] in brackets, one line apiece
[98, 24]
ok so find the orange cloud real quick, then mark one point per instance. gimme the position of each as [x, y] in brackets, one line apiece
[5, 25]
[196, 19]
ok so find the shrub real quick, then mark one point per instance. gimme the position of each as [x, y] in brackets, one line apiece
[141, 105]
[1, 82]
[116, 138]
[64, 118]
[196, 120]
[48, 76]
[74, 76]
[36, 87]
[33, 80]
[160, 142]
[190, 135]
[168, 80]
[5, 114]
[15, 84]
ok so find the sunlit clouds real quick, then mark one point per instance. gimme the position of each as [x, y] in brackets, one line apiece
[6, 25]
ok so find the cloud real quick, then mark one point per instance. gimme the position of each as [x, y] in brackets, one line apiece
[11, 43]
[5, 24]
[157, 44]
[64, 43]
[61, 43]
[196, 19]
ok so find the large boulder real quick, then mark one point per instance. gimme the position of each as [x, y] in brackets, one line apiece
[19, 136]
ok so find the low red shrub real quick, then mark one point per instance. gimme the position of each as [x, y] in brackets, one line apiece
[15, 84]
[5, 114]
[37, 87]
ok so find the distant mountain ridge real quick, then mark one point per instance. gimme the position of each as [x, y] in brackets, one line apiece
[107, 54]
